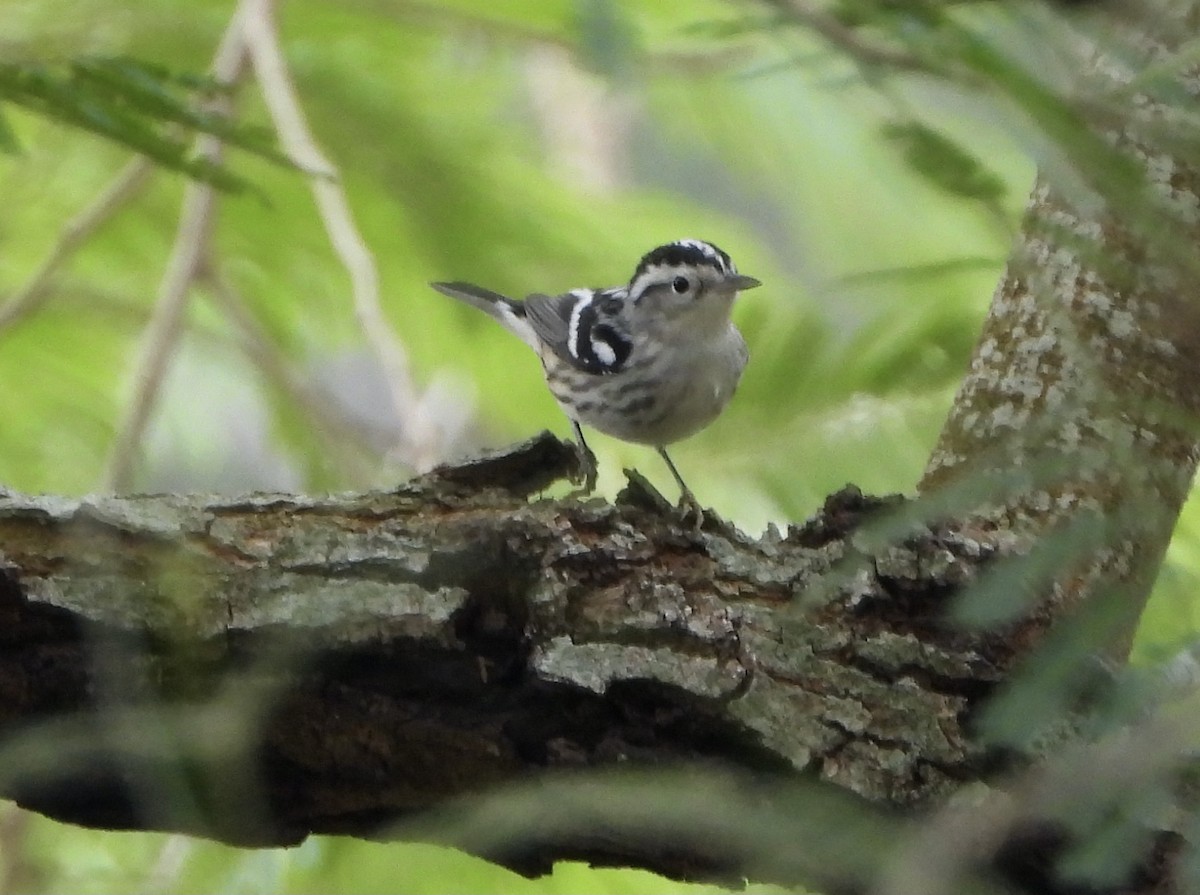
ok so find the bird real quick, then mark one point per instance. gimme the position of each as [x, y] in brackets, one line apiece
[651, 362]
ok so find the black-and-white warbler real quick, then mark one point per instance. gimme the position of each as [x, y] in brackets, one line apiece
[651, 362]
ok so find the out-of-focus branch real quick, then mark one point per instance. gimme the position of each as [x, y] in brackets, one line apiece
[341, 435]
[420, 448]
[75, 232]
[20, 872]
[167, 867]
[864, 51]
[249, 40]
[188, 257]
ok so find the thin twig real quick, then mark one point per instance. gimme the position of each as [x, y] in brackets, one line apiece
[188, 256]
[340, 433]
[848, 40]
[18, 872]
[26, 300]
[164, 875]
[421, 438]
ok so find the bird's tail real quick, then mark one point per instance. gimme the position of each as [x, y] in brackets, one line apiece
[510, 313]
[476, 296]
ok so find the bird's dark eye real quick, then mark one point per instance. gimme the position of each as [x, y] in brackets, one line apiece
[680, 285]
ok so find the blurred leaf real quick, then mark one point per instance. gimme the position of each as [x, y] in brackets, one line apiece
[1115, 841]
[944, 162]
[1189, 872]
[718, 29]
[915, 274]
[146, 108]
[910, 348]
[8, 138]
[1012, 585]
[607, 40]
[1063, 687]
[146, 88]
[898, 17]
[1102, 166]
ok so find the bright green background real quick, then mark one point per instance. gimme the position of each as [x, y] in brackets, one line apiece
[876, 282]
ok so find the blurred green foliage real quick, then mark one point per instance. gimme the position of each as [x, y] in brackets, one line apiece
[64, 859]
[879, 220]
[136, 106]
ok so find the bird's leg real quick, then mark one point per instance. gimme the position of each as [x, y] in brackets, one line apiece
[687, 500]
[587, 460]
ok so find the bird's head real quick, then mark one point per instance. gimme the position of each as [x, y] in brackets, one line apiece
[688, 279]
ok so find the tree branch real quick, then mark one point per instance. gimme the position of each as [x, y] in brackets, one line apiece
[385, 653]
[75, 232]
[188, 255]
[342, 437]
[423, 442]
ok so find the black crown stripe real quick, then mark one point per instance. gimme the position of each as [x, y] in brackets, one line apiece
[689, 253]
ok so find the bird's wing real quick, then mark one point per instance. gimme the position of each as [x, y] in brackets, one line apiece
[583, 328]
[550, 317]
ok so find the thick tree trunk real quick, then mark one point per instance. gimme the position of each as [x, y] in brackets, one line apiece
[1078, 416]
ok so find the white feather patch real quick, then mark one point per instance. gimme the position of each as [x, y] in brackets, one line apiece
[584, 298]
[517, 325]
[604, 352]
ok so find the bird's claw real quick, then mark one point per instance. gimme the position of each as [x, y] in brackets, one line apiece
[689, 508]
[586, 473]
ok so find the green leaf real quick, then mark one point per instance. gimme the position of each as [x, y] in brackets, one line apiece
[144, 89]
[8, 137]
[607, 42]
[145, 108]
[944, 162]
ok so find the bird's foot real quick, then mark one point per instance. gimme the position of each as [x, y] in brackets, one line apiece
[586, 471]
[639, 492]
[690, 509]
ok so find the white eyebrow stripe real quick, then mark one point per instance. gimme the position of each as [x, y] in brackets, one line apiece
[651, 274]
